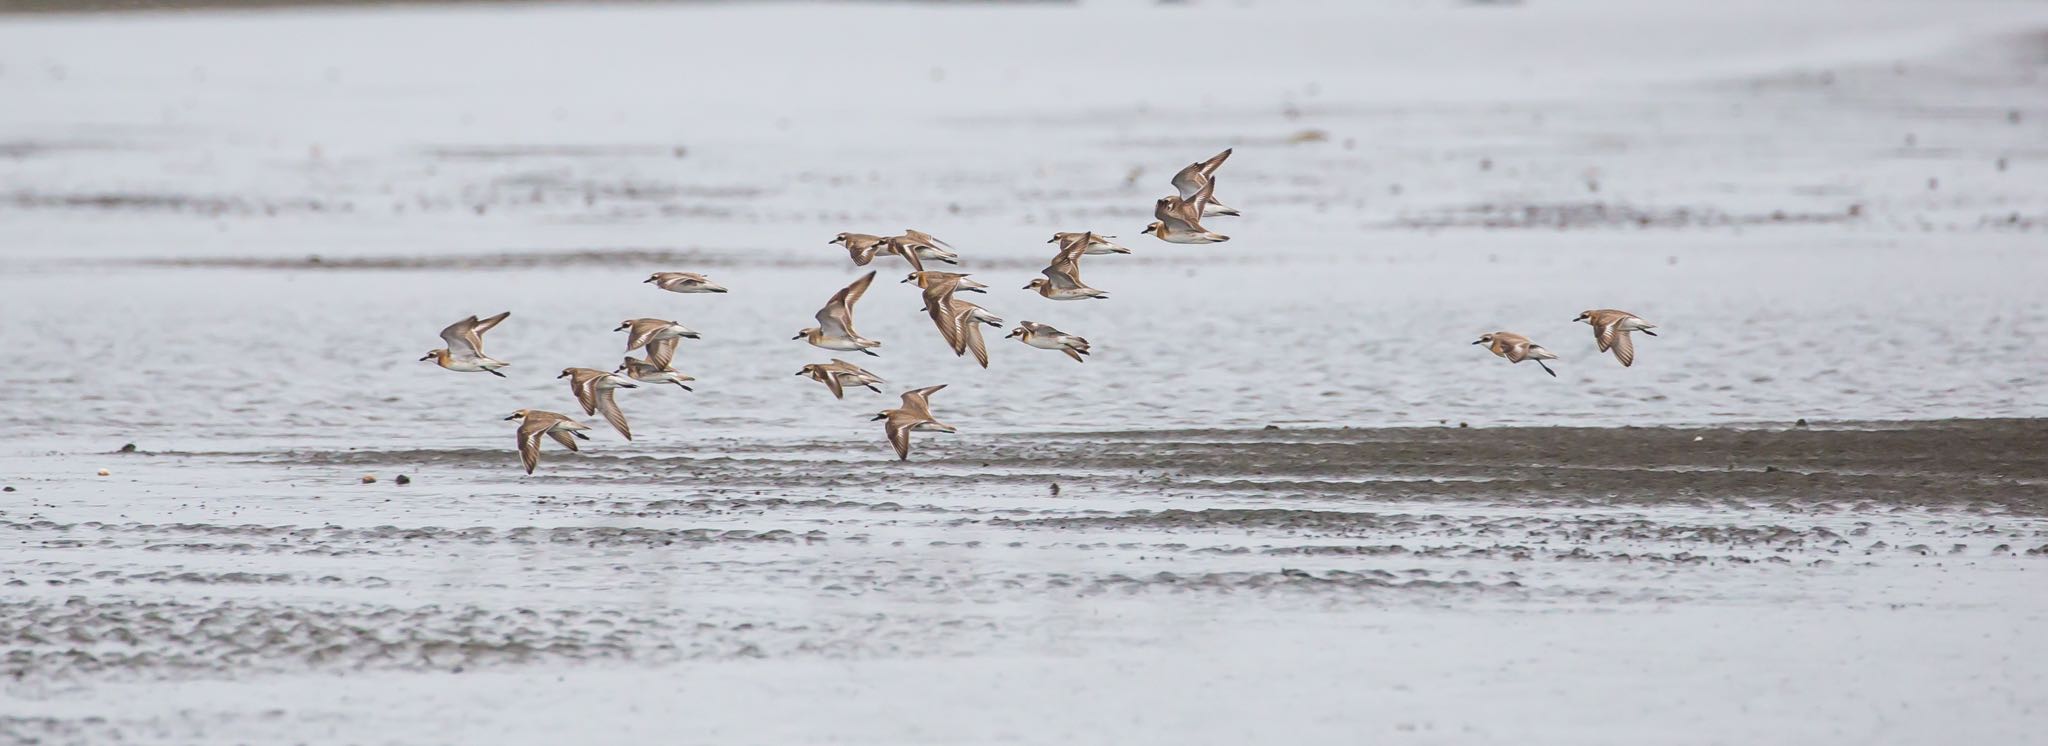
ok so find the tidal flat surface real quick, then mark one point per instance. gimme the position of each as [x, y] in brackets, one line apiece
[1252, 516]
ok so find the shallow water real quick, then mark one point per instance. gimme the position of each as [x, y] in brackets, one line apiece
[227, 238]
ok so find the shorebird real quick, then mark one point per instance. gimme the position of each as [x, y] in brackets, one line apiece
[535, 423]
[1611, 328]
[1097, 243]
[1200, 177]
[914, 414]
[927, 278]
[1044, 337]
[593, 389]
[685, 282]
[1517, 348]
[1062, 280]
[835, 321]
[918, 247]
[965, 320]
[465, 350]
[860, 246]
[1180, 220]
[836, 374]
[646, 372]
[657, 335]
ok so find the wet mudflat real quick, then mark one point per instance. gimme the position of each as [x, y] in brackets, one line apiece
[1251, 517]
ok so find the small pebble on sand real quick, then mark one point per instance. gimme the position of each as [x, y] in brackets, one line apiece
[129, 448]
[403, 479]
[104, 472]
[369, 479]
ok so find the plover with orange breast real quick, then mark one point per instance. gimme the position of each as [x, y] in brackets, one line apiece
[465, 350]
[1610, 331]
[1200, 177]
[1517, 348]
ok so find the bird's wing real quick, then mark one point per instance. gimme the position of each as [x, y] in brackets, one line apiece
[1604, 334]
[919, 400]
[608, 406]
[1215, 161]
[1516, 351]
[831, 380]
[904, 248]
[568, 441]
[1624, 349]
[463, 339]
[1072, 354]
[970, 336]
[642, 332]
[484, 325]
[926, 239]
[585, 387]
[530, 430]
[1173, 211]
[899, 426]
[662, 352]
[836, 318]
[1190, 180]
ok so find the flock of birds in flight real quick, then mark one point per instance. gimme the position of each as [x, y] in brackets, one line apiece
[1177, 219]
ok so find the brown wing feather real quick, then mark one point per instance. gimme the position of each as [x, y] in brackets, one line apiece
[662, 352]
[584, 386]
[970, 336]
[608, 405]
[832, 382]
[1215, 161]
[568, 441]
[488, 324]
[1624, 349]
[529, 442]
[899, 426]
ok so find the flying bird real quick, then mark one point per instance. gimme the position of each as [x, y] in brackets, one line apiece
[594, 390]
[1517, 348]
[684, 282]
[1179, 220]
[838, 373]
[915, 413]
[646, 372]
[860, 247]
[1611, 328]
[659, 336]
[535, 423]
[1062, 280]
[1045, 337]
[1096, 243]
[465, 350]
[1200, 177]
[835, 321]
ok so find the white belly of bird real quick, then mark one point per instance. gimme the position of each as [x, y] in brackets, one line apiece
[1045, 342]
[842, 344]
[1192, 238]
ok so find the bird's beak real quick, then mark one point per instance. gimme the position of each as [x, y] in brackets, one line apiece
[513, 417]
[879, 417]
[1479, 341]
[1027, 287]
[833, 241]
[803, 372]
[622, 327]
[718, 288]
[648, 280]
[429, 356]
[798, 336]
[565, 374]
